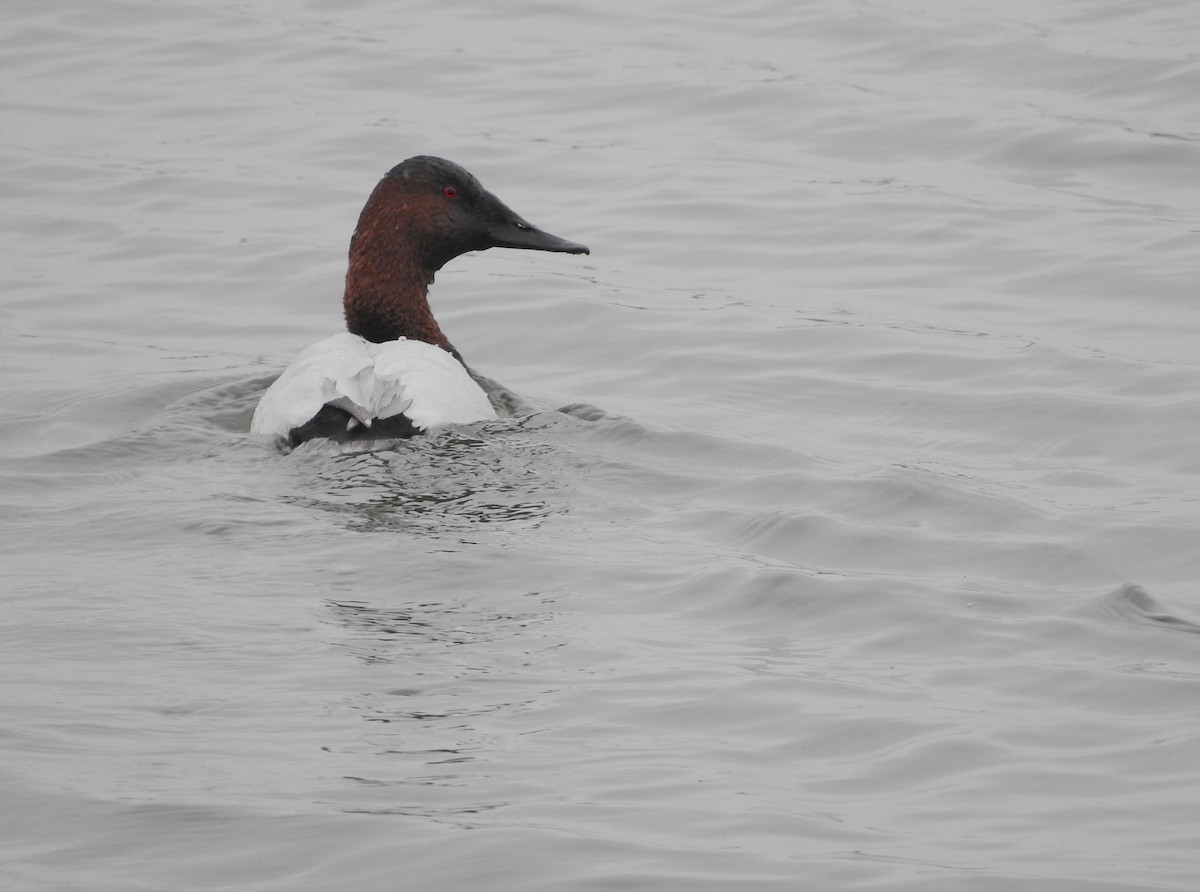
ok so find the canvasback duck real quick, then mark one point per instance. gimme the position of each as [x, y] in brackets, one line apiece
[393, 373]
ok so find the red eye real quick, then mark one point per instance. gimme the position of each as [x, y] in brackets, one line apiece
[450, 191]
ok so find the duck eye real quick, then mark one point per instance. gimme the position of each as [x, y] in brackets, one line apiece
[450, 191]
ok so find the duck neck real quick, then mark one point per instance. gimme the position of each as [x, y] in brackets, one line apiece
[387, 286]
[390, 310]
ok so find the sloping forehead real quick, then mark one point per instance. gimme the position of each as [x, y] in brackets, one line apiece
[429, 169]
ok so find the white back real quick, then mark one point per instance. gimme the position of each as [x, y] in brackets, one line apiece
[372, 381]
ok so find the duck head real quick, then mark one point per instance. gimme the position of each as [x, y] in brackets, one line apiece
[425, 212]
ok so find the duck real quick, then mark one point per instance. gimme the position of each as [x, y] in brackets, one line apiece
[393, 374]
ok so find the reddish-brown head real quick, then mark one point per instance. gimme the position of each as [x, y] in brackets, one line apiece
[425, 212]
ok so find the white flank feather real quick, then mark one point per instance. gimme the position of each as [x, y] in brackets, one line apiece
[372, 381]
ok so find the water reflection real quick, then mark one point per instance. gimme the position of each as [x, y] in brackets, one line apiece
[443, 484]
[410, 631]
[447, 677]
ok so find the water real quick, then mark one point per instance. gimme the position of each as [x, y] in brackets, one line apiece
[847, 538]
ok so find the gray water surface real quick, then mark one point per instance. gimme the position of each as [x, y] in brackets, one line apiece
[848, 538]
